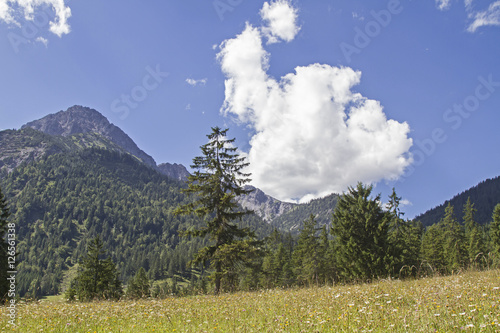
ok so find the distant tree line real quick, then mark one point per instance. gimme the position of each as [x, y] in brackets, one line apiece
[367, 241]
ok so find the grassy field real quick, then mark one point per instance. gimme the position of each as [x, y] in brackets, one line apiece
[470, 301]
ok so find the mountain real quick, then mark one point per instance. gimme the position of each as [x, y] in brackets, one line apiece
[62, 200]
[28, 145]
[285, 216]
[485, 196]
[175, 171]
[321, 208]
[80, 120]
[265, 206]
[72, 175]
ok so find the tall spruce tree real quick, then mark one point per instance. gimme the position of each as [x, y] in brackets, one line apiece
[217, 181]
[326, 256]
[98, 277]
[360, 228]
[495, 232]
[4, 265]
[306, 256]
[396, 232]
[404, 238]
[271, 262]
[432, 247]
[473, 235]
[454, 240]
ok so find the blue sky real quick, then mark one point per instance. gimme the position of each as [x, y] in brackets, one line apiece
[319, 94]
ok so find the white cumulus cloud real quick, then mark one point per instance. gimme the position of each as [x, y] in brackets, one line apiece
[280, 21]
[313, 134]
[10, 12]
[5, 12]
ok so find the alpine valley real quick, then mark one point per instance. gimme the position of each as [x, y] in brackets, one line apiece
[73, 175]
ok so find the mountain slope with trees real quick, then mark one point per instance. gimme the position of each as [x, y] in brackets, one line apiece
[62, 201]
[485, 196]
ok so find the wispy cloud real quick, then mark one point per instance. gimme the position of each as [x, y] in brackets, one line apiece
[443, 4]
[10, 13]
[357, 16]
[194, 82]
[487, 17]
[313, 134]
[42, 40]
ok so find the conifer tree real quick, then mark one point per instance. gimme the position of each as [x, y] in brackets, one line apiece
[473, 235]
[98, 277]
[454, 245]
[432, 247]
[326, 258]
[271, 262]
[139, 286]
[306, 256]
[396, 232]
[217, 181]
[404, 237]
[495, 231]
[4, 265]
[360, 228]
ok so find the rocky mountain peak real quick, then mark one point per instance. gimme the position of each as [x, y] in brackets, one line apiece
[80, 119]
[175, 171]
[76, 119]
[264, 205]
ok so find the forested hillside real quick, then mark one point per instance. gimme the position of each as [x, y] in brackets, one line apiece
[61, 201]
[485, 196]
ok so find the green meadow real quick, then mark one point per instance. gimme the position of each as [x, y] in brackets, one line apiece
[469, 301]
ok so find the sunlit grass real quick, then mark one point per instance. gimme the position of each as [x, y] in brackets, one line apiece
[470, 301]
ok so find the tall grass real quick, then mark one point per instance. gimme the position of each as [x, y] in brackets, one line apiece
[469, 301]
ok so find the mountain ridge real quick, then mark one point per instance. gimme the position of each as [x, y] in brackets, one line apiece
[79, 119]
[265, 206]
[485, 196]
[28, 145]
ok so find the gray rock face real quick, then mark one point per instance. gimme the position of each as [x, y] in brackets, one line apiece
[264, 205]
[79, 119]
[175, 171]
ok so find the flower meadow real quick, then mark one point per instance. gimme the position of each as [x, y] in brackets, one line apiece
[465, 302]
